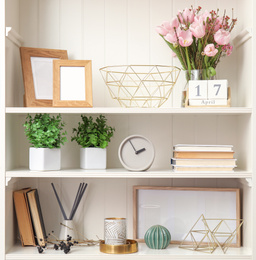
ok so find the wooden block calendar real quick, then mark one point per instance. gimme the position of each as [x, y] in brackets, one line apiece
[208, 93]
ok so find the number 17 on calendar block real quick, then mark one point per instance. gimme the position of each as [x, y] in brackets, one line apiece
[208, 89]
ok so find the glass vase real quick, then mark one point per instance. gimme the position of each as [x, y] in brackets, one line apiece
[203, 74]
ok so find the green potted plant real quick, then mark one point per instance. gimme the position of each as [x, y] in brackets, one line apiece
[45, 133]
[93, 136]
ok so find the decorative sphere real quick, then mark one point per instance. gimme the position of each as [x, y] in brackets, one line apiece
[157, 237]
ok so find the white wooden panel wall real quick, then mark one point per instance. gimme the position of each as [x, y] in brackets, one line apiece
[114, 32]
[29, 29]
[94, 45]
[50, 208]
[12, 19]
[11, 225]
[14, 80]
[247, 209]
[48, 24]
[11, 158]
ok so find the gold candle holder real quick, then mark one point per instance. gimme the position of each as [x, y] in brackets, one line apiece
[131, 246]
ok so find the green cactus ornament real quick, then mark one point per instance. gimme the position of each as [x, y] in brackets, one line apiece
[157, 237]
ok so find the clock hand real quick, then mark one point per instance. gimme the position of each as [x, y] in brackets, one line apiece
[133, 147]
[141, 150]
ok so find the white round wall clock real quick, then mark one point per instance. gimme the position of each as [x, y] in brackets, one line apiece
[136, 153]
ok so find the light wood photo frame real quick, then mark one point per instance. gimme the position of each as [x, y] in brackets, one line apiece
[178, 208]
[72, 83]
[37, 69]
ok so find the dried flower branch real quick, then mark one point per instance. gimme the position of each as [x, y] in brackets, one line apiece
[66, 245]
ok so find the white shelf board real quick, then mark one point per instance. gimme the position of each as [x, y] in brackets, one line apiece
[172, 252]
[121, 110]
[122, 173]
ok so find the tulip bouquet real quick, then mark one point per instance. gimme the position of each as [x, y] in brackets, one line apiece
[199, 40]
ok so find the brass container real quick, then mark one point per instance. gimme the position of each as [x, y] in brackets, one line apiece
[131, 246]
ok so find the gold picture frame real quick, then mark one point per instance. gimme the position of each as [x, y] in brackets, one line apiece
[153, 205]
[37, 74]
[72, 83]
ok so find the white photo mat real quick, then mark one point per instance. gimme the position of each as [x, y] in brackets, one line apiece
[42, 69]
[72, 82]
[179, 209]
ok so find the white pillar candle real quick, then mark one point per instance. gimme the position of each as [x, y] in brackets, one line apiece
[115, 231]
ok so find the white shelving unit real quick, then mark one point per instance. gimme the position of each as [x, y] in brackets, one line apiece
[112, 32]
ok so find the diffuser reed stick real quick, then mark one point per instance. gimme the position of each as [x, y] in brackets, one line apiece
[79, 195]
[76, 203]
[60, 204]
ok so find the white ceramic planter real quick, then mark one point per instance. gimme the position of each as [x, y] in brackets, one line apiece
[93, 158]
[44, 159]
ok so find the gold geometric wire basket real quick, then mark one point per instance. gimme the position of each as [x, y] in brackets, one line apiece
[140, 85]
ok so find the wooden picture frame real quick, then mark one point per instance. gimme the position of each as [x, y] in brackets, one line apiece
[154, 205]
[72, 83]
[38, 74]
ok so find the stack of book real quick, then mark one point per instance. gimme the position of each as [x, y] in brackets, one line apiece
[188, 157]
[29, 217]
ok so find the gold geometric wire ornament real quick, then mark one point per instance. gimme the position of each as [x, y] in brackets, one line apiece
[207, 234]
[140, 85]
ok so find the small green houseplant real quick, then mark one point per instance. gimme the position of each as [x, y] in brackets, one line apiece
[93, 136]
[46, 134]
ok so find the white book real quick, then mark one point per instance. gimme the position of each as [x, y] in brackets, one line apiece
[193, 168]
[203, 148]
[204, 162]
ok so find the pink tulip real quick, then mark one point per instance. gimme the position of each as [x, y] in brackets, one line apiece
[161, 30]
[222, 37]
[198, 28]
[185, 38]
[210, 50]
[167, 25]
[164, 28]
[175, 23]
[205, 15]
[187, 16]
[171, 37]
